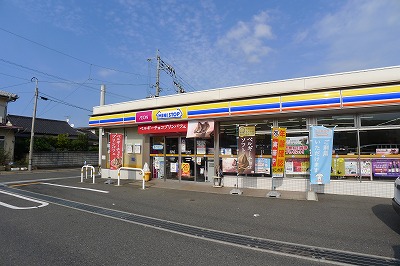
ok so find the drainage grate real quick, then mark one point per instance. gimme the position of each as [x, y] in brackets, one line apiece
[278, 247]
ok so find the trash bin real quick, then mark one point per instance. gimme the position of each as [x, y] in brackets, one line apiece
[147, 176]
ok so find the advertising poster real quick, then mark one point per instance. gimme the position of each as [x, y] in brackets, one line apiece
[278, 151]
[338, 167]
[200, 129]
[350, 167]
[321, 155]
[297, 146]
[229, 165]
[262, 166]
[386, 167]
[297, 166]
[185, 168]
[116, 151]
[201, 147]
[173, 167]
[159, 167]
[246, 155]
[226, 151]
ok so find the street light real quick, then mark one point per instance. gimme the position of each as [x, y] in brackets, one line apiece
[33, 124]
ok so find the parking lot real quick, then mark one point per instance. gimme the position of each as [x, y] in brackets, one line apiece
[62, 222]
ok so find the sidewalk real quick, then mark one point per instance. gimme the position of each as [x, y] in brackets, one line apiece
[207, 187]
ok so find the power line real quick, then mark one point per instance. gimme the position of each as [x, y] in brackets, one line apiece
[53, 99]
[70, 56]
[59, 78]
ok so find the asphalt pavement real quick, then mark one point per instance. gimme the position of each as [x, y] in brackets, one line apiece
[363, 225]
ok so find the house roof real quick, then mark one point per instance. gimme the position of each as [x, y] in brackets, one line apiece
[42, 126]
[11, 97]
[88, 132]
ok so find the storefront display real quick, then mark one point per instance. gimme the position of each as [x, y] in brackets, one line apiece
[262, 166]
[386, 167]
[297, 166]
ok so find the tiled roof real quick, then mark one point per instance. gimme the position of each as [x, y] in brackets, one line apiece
[42, 126]
[9, 95]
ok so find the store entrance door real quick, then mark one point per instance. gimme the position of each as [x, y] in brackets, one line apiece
[172, 162]
[179, 159]
[188, 170]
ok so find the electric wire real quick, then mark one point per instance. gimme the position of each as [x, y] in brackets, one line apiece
[59, 78]
[51, 98]
[70, 56]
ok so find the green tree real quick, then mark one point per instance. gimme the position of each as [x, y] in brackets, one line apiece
[42, 144]
[63, 142]
[80, 144]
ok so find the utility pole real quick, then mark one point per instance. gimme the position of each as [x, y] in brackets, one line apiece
[161, 65]
[158, 76]
[102, 102]
[33, 123]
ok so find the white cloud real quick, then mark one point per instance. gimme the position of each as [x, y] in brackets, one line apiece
[362, 34]
[63, 15]
[248, 39]
[105, 73]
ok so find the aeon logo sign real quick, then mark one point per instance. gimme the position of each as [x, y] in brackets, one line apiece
[144, 116]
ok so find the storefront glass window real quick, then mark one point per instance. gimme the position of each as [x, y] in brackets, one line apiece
[293, 123]
[385, 140]
[380, 119]
[227, 139]
[345, 142]
[229, 133]
[340, 121]
[157, 145]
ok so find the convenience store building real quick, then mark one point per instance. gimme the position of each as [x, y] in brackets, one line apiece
[187, 137]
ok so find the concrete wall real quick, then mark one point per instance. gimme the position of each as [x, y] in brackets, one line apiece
[64, 159]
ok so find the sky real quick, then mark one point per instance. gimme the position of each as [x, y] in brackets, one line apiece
[72, 47]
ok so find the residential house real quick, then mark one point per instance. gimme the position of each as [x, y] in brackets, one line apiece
[7, 131]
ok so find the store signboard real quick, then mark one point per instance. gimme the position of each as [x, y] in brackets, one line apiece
[321, 154]
[116, 142]
[145, 116]
[246, 155]
[278, 151]
[176, 113]
[160, 128]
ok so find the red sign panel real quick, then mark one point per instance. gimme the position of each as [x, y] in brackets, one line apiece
[163, 128]
[116, 151]
[145, 116]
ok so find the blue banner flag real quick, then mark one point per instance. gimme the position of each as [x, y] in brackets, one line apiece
[321, 154]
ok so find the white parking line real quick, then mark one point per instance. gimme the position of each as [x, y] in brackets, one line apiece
[83, 188]
[35, 180]
[42, 204]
